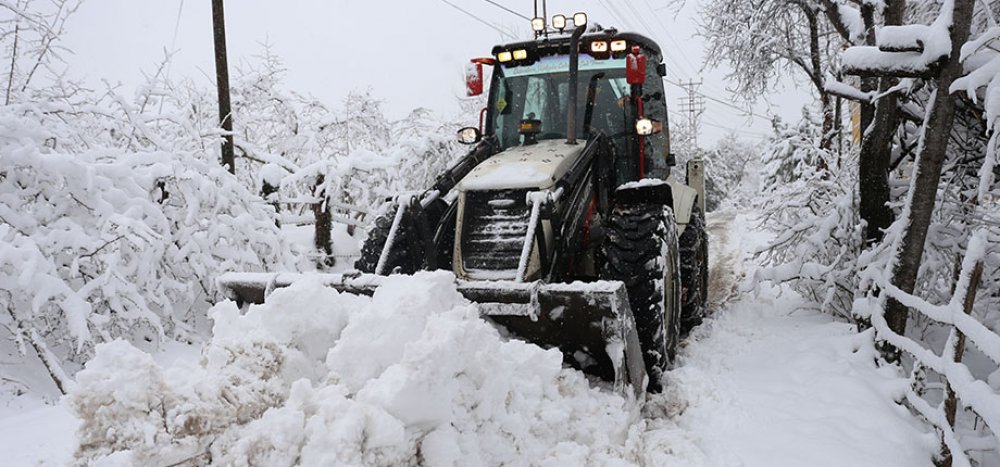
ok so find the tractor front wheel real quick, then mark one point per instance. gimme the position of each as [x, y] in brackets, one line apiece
[640, 249]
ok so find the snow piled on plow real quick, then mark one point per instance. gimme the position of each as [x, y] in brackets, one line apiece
[315, 377]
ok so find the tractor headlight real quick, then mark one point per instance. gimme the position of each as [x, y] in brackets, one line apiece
[504, 57]
[559, 22]
[538, 24]
[520, 54]
[580, 19]
[598, 47]
[644, 126]
[619, 45]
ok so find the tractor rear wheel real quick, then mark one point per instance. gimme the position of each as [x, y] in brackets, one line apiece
[640, 249]
[694, 271]
[407, 253]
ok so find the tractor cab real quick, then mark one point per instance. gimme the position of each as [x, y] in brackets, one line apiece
[529, 96]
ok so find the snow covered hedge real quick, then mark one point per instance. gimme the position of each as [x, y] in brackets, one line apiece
[411, 376]
[107, 243]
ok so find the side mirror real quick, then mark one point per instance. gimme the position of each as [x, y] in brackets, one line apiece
[469, 135]
[473, 79]
[671, 160]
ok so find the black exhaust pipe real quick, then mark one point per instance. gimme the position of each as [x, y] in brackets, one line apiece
[574, 83]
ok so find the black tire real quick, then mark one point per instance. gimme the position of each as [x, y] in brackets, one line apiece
[694, 271]
[640, 249]
[407, 253]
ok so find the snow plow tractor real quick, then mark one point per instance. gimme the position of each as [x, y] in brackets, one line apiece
[563, 221]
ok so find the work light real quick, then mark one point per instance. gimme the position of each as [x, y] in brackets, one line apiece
[598, 47]
[644, 126]
[619, 45]
[559, 22]
[580, 19]
[538, 24]
[504, 56]
[520, 54]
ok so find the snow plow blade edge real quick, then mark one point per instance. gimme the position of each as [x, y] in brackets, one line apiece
[591, 323]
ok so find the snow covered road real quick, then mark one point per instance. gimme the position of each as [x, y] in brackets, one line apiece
[763, 385]
[415, 378]
[767, 383]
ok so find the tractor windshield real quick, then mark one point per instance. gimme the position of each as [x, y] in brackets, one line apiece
[540, 91]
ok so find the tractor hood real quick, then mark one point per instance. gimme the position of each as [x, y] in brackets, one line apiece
[537, 166]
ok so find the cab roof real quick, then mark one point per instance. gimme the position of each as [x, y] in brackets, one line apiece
[559, 44]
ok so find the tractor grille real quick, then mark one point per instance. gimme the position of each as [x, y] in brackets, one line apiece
[494, 225]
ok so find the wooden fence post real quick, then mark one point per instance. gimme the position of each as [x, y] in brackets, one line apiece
[950, 401]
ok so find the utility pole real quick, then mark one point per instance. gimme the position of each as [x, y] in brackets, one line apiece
[222, 82]
[694, 105]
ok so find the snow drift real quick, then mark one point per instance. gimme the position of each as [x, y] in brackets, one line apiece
[315, 377]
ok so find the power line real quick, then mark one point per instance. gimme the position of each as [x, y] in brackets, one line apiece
[720, 101]
[712, 122]
[501, 31]
[508, 10]
[670, 37]
[749, 134]
[619, 16]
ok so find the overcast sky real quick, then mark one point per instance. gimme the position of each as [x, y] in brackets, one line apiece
[409, 52]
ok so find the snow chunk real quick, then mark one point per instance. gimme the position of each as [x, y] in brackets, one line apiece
[851, 18]
[910, 37]
[322, 378]
[643, 183]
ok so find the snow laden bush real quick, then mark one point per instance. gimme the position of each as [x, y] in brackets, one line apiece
[410, 376]
[408, 157]
[732, 168]
[107, 244]
[813, 208]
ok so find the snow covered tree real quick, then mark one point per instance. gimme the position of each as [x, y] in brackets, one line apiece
[107, 244]
[814, 213]
[732, 169]
[30, 39]
[794, 153]
[763, 40]
[938, 56]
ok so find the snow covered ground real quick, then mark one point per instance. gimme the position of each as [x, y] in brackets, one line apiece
[412, 376]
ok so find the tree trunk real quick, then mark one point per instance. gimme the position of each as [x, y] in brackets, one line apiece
[324, 224]
[868, 84]
[876, 148]
[13, 60]
[826, 142]
[222, 83]
[928, 167]
[873, 167]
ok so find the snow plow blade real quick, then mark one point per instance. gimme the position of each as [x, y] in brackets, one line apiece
[591, 323]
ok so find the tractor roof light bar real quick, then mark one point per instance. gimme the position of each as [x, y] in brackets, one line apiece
[558, 22]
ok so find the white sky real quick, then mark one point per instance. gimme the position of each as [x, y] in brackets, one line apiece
[410, 52]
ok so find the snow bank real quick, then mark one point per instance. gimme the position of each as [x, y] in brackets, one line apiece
[409, 376]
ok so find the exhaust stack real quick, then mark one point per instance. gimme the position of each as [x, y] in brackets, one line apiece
[574, 79]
